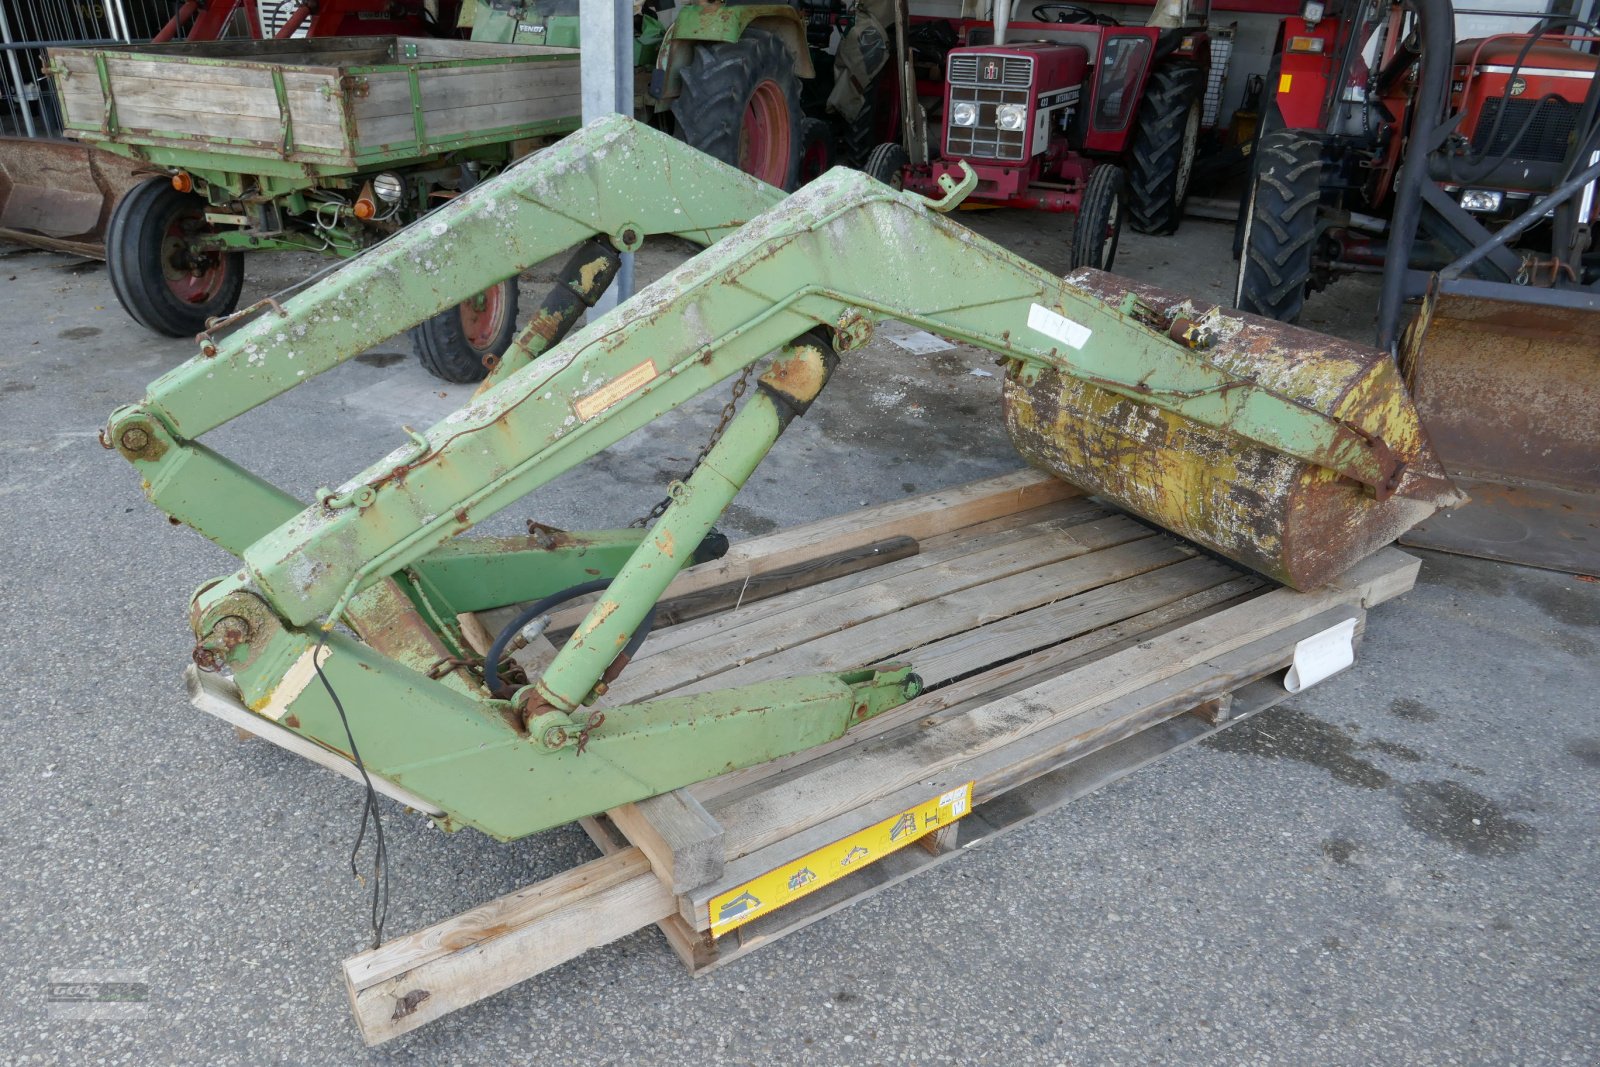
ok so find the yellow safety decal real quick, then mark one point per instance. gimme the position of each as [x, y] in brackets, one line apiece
[1284, 81]
[787, 884]
[621, 386]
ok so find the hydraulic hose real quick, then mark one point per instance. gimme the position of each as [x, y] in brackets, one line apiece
[491, 662]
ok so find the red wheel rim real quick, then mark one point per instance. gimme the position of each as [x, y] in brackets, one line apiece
[764, 136]
[194, 277]
[482, 318]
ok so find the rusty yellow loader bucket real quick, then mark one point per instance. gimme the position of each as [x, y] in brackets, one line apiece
[59, 194]
[1291, 520]
[1510, 394]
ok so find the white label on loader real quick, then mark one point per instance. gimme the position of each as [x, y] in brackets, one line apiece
[1321, 656]
[1059, 327]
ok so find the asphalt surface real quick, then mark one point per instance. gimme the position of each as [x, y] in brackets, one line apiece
[1397, 866]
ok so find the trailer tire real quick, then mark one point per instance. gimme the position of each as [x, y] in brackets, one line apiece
[454, 345]
[1281, 226]
[740, 103]
[1165, 138]
[162, 284]
[816, 151]
[1099, 226]
[887, 163]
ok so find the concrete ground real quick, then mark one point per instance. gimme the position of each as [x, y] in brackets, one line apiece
[1396, 866]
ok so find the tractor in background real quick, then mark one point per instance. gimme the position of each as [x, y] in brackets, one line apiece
[1467, 174]
[1071, 112]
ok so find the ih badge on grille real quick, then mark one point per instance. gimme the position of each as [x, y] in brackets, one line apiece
[991, 71]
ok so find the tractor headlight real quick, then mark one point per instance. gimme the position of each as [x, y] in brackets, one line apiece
[1482, 199]
[964, 114]
[1312, 11]
[389, 188]
[1010, 116]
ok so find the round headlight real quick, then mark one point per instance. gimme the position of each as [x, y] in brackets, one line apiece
[389, 188]
[964, 114]
[1010, 116]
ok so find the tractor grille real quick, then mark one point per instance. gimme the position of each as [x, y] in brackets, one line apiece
[1546, 141]
[988, 81]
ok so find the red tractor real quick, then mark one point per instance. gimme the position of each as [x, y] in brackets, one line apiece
[1070, 112]
[1517, 117]
[1465, 174]
[209, 20]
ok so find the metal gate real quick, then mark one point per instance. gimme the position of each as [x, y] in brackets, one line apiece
[28, 106]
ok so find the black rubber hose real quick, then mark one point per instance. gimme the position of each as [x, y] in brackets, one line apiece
[491, 662]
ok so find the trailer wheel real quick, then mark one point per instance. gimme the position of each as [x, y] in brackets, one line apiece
[1280, 226]
[740, 103]
[816, 150]
[453, 344]
[160, 279]
[1164, 144]
[1094, 239]
[887, 163]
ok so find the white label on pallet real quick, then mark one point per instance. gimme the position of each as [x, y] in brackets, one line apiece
[1321, 656]
[1059, 327]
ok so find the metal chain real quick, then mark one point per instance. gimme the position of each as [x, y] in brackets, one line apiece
[726, 417]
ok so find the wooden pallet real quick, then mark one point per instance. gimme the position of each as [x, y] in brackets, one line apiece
[1063, 644]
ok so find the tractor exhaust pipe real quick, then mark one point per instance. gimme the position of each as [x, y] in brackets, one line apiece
[1002, 21]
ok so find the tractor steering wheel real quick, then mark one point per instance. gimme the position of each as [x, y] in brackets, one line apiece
[1071, 14]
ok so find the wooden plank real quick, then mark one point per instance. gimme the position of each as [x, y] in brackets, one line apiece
[682, 841]
[1077, 511]
[696, 950]
[957, 567]
[762, 587]
[990, 643]
[829, 618]
[1003, 680]
[879, 767]
[1000, 815]
[415, 979]
[895, 636]
[919, 517]
[1026, 752]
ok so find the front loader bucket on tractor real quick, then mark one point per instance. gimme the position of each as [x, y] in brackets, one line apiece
[1510, 393]
[59, 195]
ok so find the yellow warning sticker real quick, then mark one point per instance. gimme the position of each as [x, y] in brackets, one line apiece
[787, 884]
[1284, 81]
[624, 384]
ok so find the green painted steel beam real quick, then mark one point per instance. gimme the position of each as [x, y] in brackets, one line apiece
[840, 253]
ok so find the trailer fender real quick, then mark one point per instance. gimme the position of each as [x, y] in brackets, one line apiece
[718, 23]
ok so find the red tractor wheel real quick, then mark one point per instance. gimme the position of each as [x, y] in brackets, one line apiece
[740, 103]
[161, 276]
[453, 344]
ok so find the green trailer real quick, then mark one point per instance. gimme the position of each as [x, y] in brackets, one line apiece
[324, 145]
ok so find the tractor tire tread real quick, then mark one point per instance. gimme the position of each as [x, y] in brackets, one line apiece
[1155, 204]
[717, 83]
[885, 163]
[1283, 228]
[1106, 189]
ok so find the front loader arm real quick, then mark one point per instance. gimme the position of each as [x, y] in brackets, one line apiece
[804, 278]
[839, 254]
[615, 178]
